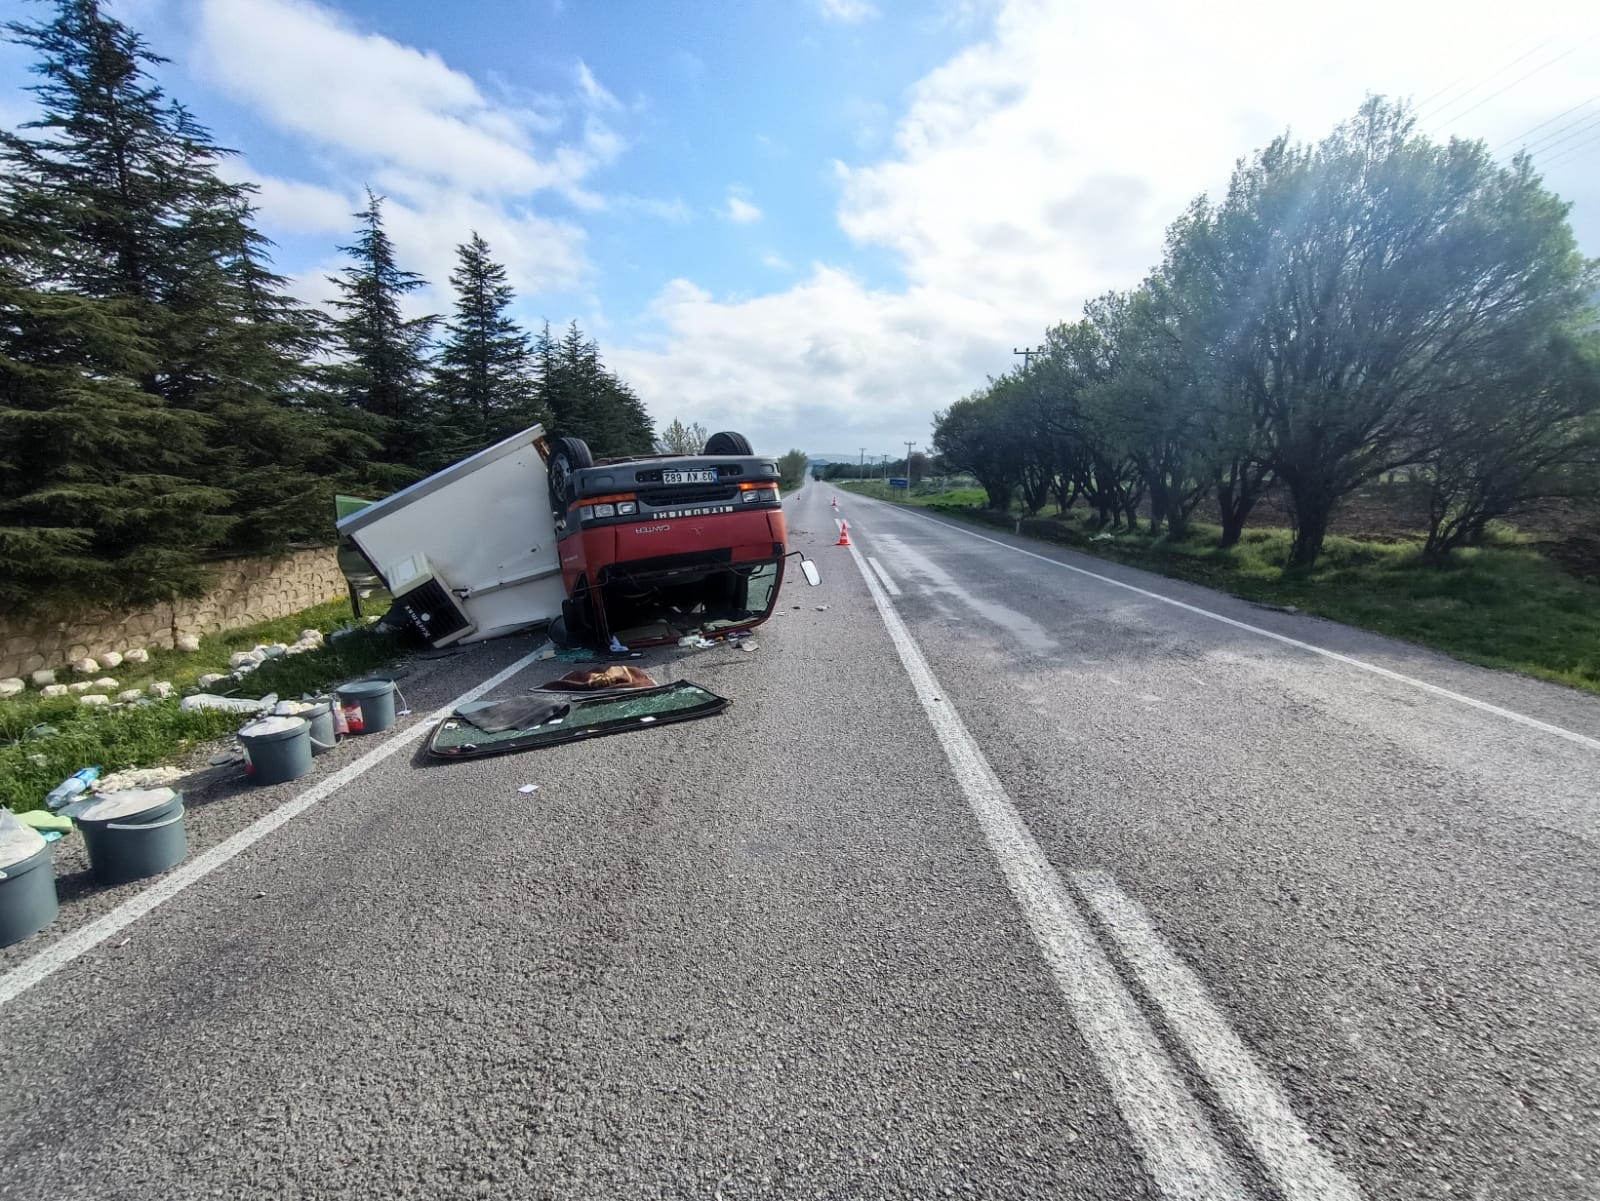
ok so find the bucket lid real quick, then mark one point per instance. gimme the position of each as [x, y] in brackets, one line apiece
[298, 708]
[18, 842]
[114, 806]
[366, 688]
[271, 729]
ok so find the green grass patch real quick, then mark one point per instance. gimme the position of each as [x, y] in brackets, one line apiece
[32, 761]
[1501, 605]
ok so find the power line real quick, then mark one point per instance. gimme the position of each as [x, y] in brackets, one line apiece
[1541, 67]
[1521, 137]
[1423, 104]
[1569, 152]
[1547, 146]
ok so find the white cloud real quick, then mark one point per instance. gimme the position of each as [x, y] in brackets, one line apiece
[740, 210]
[309, 71]
[776, 261]
[592, 90]
[848, 12]
[1039, 167]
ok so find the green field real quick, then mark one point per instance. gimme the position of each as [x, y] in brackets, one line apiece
[1502, 605]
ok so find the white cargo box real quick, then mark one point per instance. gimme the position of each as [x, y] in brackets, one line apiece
[471, 548]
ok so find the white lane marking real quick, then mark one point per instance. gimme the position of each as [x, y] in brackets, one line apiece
[893, 588]
[1300, 1169]
[1510, 715]
[1181, 1152]
[64, 950]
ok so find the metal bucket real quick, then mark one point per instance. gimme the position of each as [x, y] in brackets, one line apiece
[276, 749]
[27, 896]
[368, 705]
[131, 835]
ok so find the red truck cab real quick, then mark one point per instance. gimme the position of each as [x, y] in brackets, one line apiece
[657, 548]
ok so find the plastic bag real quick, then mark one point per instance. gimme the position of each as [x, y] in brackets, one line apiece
[17, 841]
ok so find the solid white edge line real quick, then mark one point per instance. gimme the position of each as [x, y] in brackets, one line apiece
[894, 589]
[1583, 740]
[67, 948]
[1299, 1168]
[1180, 1150]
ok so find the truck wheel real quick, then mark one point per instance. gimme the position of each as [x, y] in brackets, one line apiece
[567, 455]
[728, 443]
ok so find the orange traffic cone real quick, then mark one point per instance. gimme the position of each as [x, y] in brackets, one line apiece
[844, 534]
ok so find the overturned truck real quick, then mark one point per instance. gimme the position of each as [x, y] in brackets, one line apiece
[639, 551]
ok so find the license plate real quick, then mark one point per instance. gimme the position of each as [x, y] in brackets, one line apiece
[708, 476]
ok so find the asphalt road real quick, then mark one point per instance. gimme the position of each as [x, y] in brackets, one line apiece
[1003, 876]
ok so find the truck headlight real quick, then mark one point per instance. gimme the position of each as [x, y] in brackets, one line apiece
[605, 510]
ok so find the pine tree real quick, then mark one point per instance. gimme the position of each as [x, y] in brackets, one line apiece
[589, 401]
[384, 367]
[485, 374]
[107, 484]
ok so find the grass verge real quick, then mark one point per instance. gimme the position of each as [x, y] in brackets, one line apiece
[145, 735]
[1502, 605]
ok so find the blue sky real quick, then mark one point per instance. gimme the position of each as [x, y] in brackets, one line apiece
[817, 221]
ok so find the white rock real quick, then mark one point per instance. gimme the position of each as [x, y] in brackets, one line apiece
[275, 651]
[81, 687]
[137, 655]
[188, 643]
[299, 649]
[41, 678]
[161, 689]
[239, 658]
[128, 695]
[53, 690]
[309, 635]
[110, 659]
[106, 684]
[85, 666]
[210, 678]
[12, 686]
[94, 698]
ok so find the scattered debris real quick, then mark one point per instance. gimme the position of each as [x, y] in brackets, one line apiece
[697, 642]
[586, 717]
[1276, 608]
[749, 646]
[616, 647]
[234, 704]
[139, 778]
[227, 758]
[547, 651]
[42, 730]
[619, 676]
[822, 608]
[529, 788]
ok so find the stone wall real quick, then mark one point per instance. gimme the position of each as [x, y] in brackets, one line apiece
[244, 592]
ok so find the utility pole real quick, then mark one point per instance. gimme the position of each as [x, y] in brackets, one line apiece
[861, 471]
[1027, 354]
[909, 445]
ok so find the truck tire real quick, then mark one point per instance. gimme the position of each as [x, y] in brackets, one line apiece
[567, 455]
[728, 443]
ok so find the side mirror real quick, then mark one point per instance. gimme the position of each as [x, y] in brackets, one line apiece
[809, 570]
